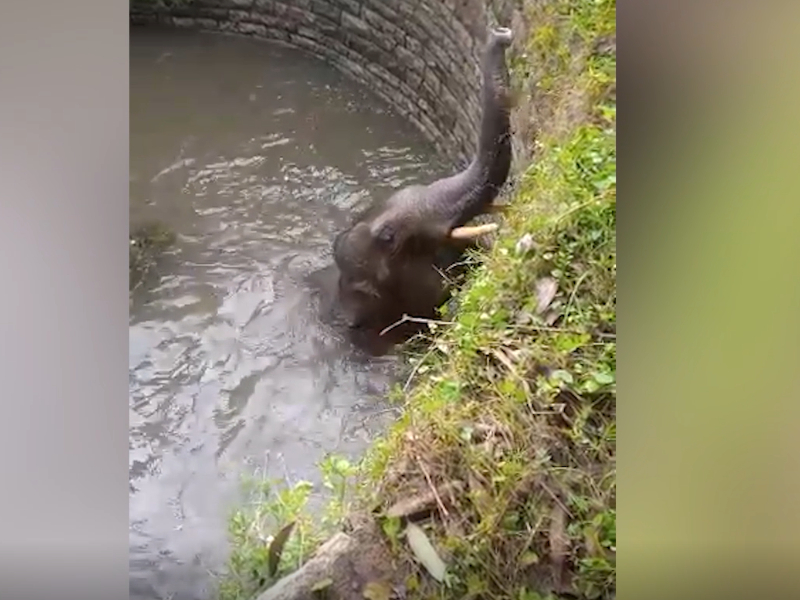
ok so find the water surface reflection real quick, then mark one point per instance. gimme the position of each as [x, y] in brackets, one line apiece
[256, 156]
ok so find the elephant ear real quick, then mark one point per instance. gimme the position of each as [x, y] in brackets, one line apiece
[353, 248]
[364, 258]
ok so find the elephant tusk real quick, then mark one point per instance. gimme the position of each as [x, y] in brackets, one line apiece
[468, 233]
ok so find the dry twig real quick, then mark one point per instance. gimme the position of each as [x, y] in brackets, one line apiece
[433, 488]
[408, 319]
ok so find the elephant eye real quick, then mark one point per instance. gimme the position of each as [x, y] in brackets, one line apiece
[386, 235]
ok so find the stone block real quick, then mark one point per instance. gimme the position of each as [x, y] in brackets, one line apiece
[413, 30]
[406, 8]
[425, 105]
[425, 17]
[432, 82]
[413, 44]
[254, 29]
[410, 60]
[144, 18]
[228, 26]
[351, 6]
[381, 74]
[338, 47]
[298, 16]
[327, 9]
[325, 25]
[353, 69]
[311, 33]
[215, 3]
[437, 57]
[414, 80]
[432, 128]
[448, 101]
[265, 6]
[213, 12]
[238, 16]
[465, 37]
[184, 22]
[267, 19]
[207, 24]
[365, 48]
[356, 24]
[381, 24]
[307, 44]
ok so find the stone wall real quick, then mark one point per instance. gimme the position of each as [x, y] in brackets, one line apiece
[420, 56]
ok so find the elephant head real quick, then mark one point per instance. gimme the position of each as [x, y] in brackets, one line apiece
[387, 260]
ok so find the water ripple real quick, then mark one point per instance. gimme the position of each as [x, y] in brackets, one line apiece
[231, 367]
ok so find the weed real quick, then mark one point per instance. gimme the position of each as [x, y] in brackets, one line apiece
[337, 473]
[252, 530]
[271, 508]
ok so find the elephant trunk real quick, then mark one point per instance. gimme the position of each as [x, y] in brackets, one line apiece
[494, 142]
[487, 173]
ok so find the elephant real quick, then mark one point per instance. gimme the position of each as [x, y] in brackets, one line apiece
[390, 260]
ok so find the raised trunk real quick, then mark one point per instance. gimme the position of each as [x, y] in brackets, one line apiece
[469, 193]
[493, 158]
[387, 259]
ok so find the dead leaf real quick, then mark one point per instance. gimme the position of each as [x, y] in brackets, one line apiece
[546, 289]
[276, 548]
[524, 244]
[425, 552]
[377, 590]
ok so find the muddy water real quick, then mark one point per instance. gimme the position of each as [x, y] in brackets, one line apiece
[255, 156]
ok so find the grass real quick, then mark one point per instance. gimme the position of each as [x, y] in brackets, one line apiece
[517, 401]
[273, 506]
[513, 397]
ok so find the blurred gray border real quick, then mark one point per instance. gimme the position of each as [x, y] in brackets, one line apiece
[63, 305]
[63, 275]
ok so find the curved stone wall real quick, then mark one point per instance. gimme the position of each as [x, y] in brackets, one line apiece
[420, 56]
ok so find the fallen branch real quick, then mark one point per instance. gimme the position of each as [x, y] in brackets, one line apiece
[323, 565]
[408, 319]
[420, 504]
[417, 366]
[433, 489]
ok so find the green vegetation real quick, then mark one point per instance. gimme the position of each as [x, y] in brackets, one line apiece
[513, 399]
[259, 555]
